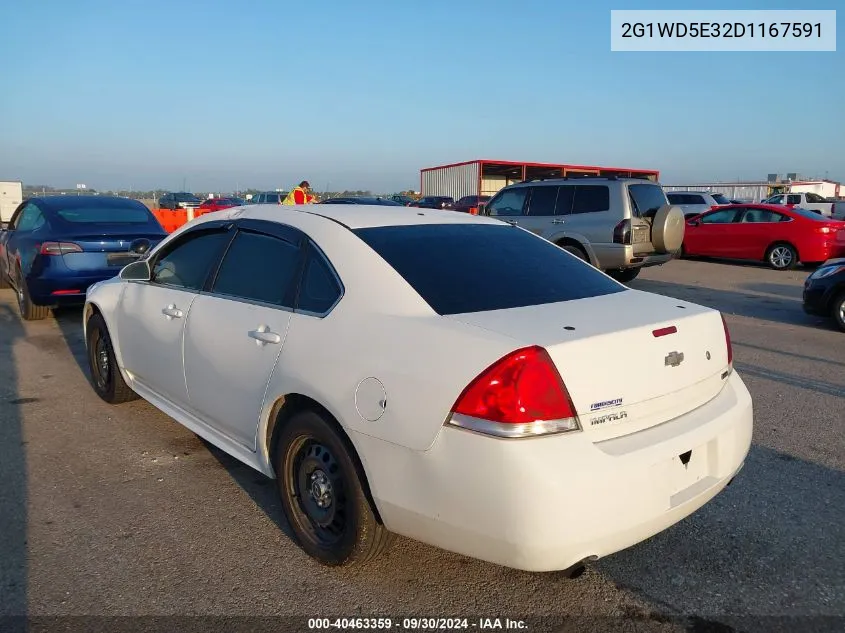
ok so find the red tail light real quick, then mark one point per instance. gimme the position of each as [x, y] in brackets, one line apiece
[622, 232]
[59, 248]
[520, 395]
[728, 342]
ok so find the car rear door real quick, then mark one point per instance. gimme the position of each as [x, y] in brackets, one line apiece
[753, 232]
[540, 217]
[152, 314]
[236, 330]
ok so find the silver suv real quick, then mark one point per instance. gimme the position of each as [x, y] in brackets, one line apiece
[619, 225]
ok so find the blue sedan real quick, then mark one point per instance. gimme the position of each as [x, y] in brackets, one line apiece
[55, 247]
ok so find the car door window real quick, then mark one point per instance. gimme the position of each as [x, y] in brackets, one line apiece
[815, 198]
[719, 217]
[30, 219]
[756, 216]
[259, 267]
[509, 203]
[187, 263]
[320, 289]
[543, 201]
[775, 200]
[591, 199]
[793, 199]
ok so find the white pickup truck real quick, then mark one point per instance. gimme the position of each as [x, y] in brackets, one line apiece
[811, 202]
[11, 195]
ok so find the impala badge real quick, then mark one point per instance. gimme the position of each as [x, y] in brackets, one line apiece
[673, 359]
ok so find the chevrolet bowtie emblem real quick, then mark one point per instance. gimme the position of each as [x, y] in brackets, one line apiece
[673, 359]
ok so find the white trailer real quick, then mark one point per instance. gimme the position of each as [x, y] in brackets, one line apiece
[11, 196]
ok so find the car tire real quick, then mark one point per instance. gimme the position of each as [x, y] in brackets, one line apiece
[575, 250]
[782, 256]
[321, 486]
[29, 311]
[837, 311]
[105, 375]
[667, 229]
[624, 275]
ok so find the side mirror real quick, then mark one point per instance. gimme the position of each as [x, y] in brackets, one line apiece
[136, 271]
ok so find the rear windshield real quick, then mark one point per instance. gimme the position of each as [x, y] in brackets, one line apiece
[807, 213]
[648, 199]
[106, 215]
[461, 268]
[720, 199]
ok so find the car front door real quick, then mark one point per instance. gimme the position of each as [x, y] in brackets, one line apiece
[710, 234]
[152, 314]
[236, 330]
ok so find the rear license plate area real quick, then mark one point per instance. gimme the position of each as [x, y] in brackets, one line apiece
[641, 235]
[688, 474]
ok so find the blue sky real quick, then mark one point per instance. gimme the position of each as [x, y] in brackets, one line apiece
[363, 94]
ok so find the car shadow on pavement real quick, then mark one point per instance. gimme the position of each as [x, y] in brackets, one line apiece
[781, 290]
[69, 321]
[261, 489]
[772, 543]
[13, 474]
[774, 309]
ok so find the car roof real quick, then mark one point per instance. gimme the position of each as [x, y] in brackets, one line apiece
[54, 203]
[359, 216]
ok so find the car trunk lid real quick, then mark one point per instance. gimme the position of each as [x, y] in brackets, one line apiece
[630, 360]
[106, 250]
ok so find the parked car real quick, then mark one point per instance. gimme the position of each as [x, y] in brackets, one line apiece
[619, 225]
[217, 204]
[551, 417]
[385, 202]
[405, 201]
[810, 201]
[694, 203]
[55, 247]
[269, 197]
[471, 204]
[434, 202]
[824, 292]
[180, 200]
[778, 235]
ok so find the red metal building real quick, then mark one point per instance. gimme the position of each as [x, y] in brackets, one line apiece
[484, 177]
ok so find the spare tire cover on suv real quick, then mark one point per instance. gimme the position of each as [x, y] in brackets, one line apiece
[667, 229]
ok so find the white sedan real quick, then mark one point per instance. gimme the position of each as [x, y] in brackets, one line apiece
[443, 376]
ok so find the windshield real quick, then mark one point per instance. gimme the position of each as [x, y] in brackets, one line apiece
[185, 197]
[441, 263]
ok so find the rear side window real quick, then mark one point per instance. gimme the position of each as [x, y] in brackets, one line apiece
[591, 199]
[442, 263]
[648, 199]
[543, 201]
[815, 198]
[259, 267]
[320, 289]
[188, 261]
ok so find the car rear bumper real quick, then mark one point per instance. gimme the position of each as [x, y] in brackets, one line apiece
[57, 291]
[545, 504]
[617, 256]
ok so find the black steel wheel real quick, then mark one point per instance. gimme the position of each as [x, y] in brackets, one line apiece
[105, 375]
[322, 489]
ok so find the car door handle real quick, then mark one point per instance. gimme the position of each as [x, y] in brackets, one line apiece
[172, 312]
[263, 335]
[558, 221]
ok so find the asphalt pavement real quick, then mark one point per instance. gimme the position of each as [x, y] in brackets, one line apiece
[120, 511]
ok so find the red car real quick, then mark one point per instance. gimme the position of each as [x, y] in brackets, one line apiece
[777, 235]
[217, 204]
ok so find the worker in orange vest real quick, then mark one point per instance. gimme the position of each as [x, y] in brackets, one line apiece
[299, 195]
